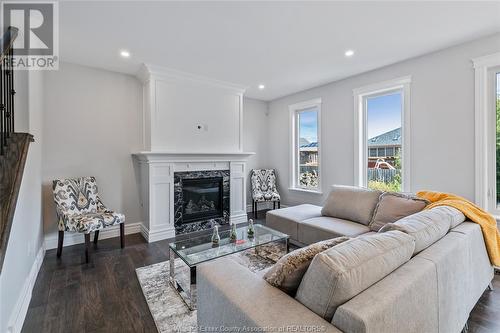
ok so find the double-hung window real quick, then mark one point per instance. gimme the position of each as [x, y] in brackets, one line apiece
[305, 146]
[382, 126]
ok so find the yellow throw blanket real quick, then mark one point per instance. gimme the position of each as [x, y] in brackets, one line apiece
[475, 214]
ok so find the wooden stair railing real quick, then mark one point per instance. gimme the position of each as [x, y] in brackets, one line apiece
[13, 146]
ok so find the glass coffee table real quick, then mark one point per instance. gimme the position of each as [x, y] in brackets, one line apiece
[197, 250]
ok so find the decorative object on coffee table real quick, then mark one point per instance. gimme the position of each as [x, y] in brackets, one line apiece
[196, 250]
[233, 234]
[264, 188]
[215, 236]
[250, 231]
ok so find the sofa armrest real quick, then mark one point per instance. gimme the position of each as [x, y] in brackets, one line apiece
[231, 296]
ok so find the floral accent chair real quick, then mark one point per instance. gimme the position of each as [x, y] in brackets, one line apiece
[264, 188]
[80, 209]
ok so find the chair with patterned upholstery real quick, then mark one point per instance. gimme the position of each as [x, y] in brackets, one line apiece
[264, 188]
[80, 209]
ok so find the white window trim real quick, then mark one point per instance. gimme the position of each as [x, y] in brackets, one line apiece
[313, 103]
[360, 139]
[485, 182]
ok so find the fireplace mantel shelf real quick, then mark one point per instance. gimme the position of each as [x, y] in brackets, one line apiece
[196, 156]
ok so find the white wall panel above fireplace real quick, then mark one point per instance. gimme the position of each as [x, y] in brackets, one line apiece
[188, 113]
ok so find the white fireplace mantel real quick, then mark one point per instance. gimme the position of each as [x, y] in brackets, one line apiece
[155, 156]
[157, 170]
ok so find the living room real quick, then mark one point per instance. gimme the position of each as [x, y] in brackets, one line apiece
[165, 164]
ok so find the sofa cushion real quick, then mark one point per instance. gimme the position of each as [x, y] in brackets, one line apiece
[427, 227]
[340, 273]
[320, 228]
[286, 219]
[351, 203]
[456, 216]
[287, 273]
[394, 206]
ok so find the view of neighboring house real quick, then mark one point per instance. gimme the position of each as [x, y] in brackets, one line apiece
[385, 146]
[308, 163]
[308, 156]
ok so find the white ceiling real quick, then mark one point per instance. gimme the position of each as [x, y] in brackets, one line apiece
[288, 46]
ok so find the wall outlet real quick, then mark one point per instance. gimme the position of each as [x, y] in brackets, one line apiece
[202, 127]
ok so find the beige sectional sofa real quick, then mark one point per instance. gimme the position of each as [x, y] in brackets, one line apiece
[431, 289]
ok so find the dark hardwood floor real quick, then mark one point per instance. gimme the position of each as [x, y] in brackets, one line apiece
[105, 295]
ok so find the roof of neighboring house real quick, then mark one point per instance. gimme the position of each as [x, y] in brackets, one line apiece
[391, 138]
[303, 141]
[309, 145]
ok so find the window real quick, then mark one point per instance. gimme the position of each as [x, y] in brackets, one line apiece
[305, 160]
[496, 101]
[382, 125]
[487, 132]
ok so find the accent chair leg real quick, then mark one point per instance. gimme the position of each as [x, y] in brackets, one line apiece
[96, 237]
[279, 204]
[274, 205]
[122, 235]
[87, 246]
[60, 243]
[490, 286]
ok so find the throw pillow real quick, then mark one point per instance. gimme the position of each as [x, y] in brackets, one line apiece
[426, 227]
[287, 273]
[351, 203]
[394, 206]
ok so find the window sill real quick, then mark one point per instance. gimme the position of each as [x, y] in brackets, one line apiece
[298, 189]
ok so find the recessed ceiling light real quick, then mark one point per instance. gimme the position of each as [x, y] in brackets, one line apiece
[261, 86]
[349, 53]
[125, 53]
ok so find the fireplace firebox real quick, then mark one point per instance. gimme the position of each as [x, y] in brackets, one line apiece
[202, 199]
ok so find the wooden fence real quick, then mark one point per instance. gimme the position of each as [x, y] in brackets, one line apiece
[382, 175]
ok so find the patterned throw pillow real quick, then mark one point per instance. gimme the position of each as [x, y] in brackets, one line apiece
[287, 273]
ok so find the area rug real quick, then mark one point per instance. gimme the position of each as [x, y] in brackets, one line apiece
[169, 312]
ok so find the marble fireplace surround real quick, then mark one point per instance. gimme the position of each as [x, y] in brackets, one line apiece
[202, 224]
[156, 182]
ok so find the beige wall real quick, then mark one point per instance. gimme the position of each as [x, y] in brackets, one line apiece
[255, 137]
[442, 122]
[92, 123]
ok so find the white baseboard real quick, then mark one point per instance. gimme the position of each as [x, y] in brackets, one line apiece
[77, 238]
[238, 218]
[20, 310]
[157, 234]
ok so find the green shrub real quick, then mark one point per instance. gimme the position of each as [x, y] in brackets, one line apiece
[386, 187]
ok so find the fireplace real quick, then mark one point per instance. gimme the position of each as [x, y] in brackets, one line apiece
[201, 197]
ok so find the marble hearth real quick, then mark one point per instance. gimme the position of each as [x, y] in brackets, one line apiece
[161, 171]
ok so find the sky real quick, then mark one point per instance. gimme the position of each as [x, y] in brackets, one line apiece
[308, 125]
[384, 114]
[498, 85]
